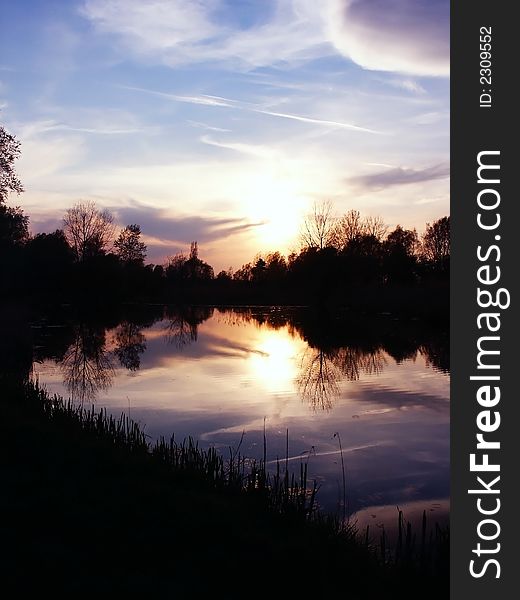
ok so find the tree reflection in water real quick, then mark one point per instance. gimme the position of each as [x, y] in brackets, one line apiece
[319, 379]
[321, 372]
[337, 348]
[87, 366]
[130, 344]
[183, 324]
[353, 361]
[347, 346]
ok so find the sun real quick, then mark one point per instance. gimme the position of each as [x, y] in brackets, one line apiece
[275, 202]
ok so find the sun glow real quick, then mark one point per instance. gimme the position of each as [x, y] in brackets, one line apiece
[276, 202]
[274, 361]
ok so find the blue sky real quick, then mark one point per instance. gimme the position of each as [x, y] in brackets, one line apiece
[223, 121]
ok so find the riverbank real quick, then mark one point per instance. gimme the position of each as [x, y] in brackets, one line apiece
[90, 506]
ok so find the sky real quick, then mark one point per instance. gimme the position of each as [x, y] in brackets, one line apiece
[223, 121]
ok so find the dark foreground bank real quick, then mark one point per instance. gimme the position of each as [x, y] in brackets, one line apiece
[89, 506]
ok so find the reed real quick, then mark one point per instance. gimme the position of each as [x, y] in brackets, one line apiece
[289, 496]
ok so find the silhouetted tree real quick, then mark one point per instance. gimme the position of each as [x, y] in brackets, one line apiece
[348, 227]
[362, 258]
[14, 233]
[9, 152]
[436, 242]
[14, 226]
[14, 230]
[244, 274]
[197, 269]
[88, 230]
[364, 245]
[400, 248]
[175, 267]
[50, 260]
[276, 267]
[129, 247]
[375, 226]
[51, 248]
[259, 271]
[225, 276]
[181, 268]
[402, 240]
[319, 226]
[352, 225]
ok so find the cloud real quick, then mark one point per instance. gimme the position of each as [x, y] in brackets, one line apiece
[104, 121]
[180, 32]
[45, 152]
[406, 36]
[170, 230]
[409, 85]
[207, 100]
[326, 122]
[207, 127]
[429, 118]
[93, 130]
[203, 99]
[167, 25]
[401, 176]
[249, 149]
[42, 223]
[164, 234]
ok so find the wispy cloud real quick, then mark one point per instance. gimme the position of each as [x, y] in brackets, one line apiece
[94, 130]
[155, 24]
[91, 121]
[406, 36]
[164, 233]
[401, 176]
[409, 85]
[202, 100]
[207, 100]
[379, 164]
[172, 230]
[180, 32]
[46, 151]
[207, 127]
[249, 149]
[326, 122]
[429, 118]
[231, 109]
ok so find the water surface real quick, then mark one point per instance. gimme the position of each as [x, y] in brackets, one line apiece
[379, 386]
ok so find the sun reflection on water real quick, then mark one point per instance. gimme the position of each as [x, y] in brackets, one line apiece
[238, 372]
[273, 361]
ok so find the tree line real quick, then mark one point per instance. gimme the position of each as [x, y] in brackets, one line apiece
[355, 249]
[89, 256]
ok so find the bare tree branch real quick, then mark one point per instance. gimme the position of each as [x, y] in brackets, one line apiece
[318, 227]
[89, 231]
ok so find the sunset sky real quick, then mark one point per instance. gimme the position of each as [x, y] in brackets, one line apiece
[222, 121]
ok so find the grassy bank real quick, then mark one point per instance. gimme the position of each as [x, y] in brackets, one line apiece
[90, 505]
